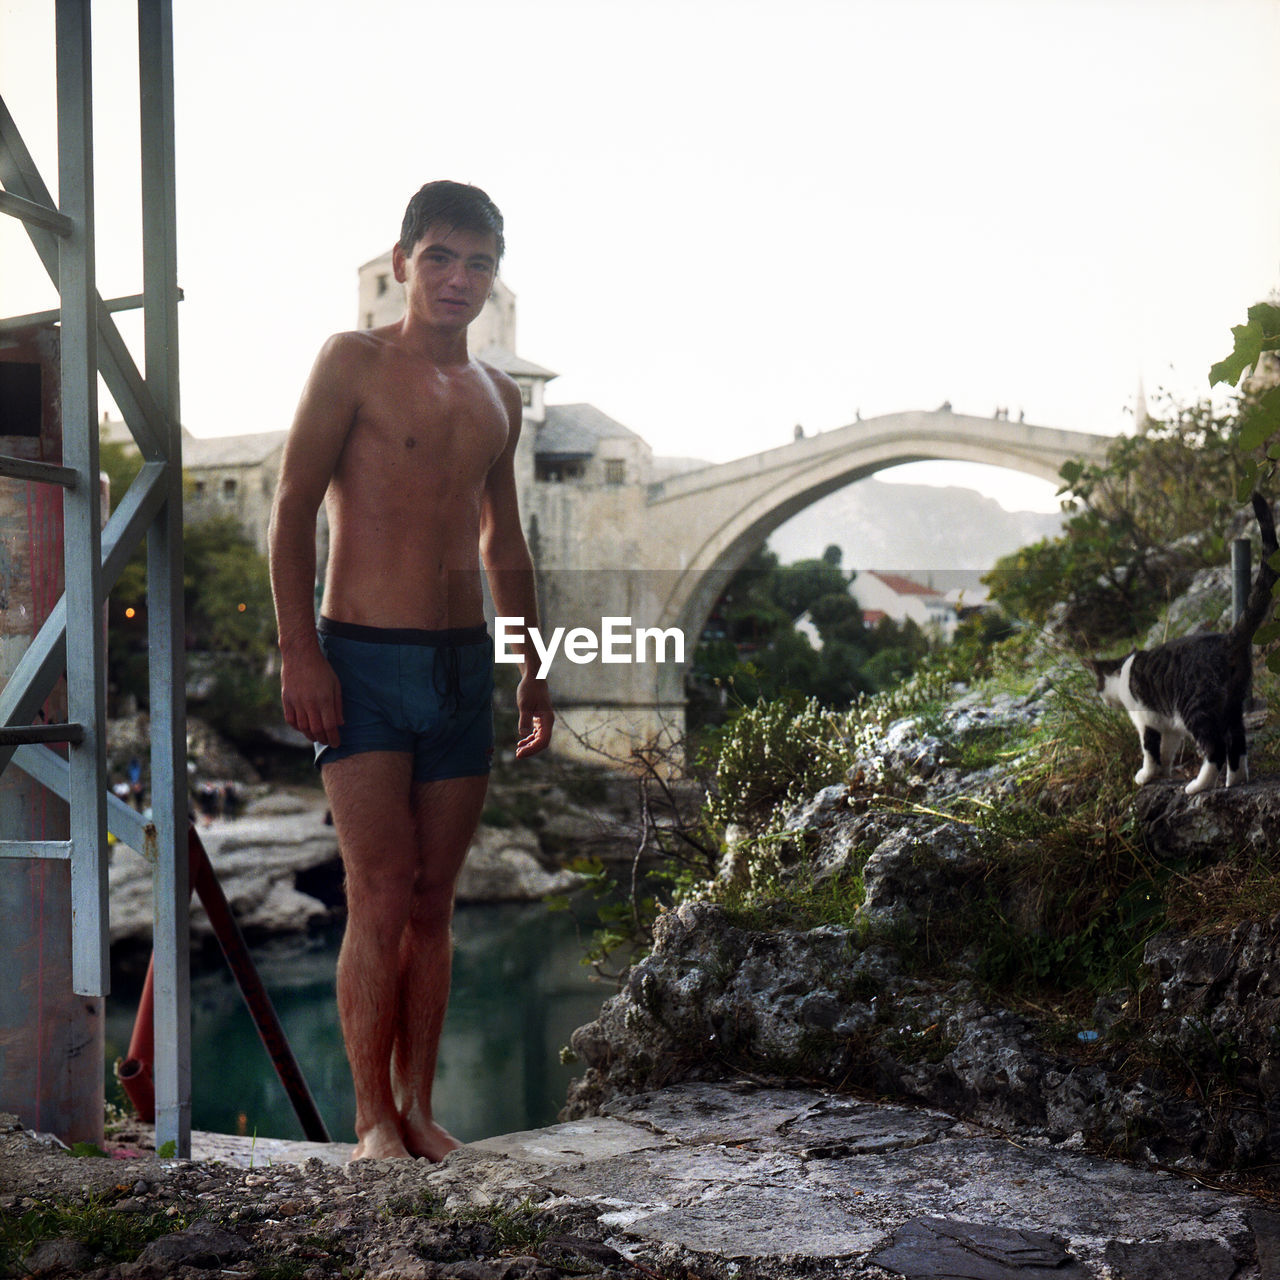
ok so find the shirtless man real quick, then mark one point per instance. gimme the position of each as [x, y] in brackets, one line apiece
[410, 443]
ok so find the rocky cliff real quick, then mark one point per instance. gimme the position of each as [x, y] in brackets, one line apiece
[1178, 1067]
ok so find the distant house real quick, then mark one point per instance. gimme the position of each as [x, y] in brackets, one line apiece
[224, 476]
[896, 596]
[232, 476]
[577, 442]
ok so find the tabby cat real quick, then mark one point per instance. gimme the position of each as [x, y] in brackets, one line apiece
[1194, 687]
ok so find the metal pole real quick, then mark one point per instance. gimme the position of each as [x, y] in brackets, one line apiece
[166, 634]
[85, 643]
[1241, 575]
[72, 635]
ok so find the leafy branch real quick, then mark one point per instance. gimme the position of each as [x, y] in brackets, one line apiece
[1260, 414]
[1259, 421]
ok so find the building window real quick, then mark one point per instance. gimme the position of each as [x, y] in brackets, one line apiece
[199, 488]
[615, 471]
[555, 472]
[382, 285]
[368, 320]
[228, 489]
[526, 393]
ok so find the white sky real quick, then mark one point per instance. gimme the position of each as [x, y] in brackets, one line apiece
[724, 217]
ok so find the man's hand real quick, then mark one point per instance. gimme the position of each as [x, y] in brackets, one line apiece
[533, 702]
[311, 695]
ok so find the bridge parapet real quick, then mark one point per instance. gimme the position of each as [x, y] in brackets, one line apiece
[915, 435]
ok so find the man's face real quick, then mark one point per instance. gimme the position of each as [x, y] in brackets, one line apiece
[448, 275]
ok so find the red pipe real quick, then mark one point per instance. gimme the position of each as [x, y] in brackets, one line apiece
[134, 1071]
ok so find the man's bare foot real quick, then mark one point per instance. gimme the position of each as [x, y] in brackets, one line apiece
[382, 1142]
[428, 1140]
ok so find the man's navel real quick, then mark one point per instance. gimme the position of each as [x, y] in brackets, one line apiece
[409, 442]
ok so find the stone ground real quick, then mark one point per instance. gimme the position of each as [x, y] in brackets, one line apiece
[693, 1182]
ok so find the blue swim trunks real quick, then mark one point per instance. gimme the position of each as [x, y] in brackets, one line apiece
[429, 693]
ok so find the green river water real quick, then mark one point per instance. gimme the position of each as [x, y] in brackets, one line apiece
[519, 990]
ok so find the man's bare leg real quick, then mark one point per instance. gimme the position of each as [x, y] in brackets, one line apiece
[446, 814]
[369, 796]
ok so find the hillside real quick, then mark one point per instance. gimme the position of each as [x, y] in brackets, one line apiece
[950, 529]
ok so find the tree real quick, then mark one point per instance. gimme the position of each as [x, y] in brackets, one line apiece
[227, 592]
[799, 585]
[756, 650]
[230, 619]
[1256, 348]
[838, 617]
[1139, 525]
[126, 605]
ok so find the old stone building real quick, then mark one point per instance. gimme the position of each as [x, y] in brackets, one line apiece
[225, 476]
[235, 476]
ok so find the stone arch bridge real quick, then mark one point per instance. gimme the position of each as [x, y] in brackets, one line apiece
[661, 556]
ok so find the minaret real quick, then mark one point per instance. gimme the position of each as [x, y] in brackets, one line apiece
[1141, 417]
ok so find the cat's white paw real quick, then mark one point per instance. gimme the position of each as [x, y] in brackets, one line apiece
[1237, 776]
[1145, 775]
[1205, 779]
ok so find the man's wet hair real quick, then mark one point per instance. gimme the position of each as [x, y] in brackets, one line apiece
[452, 204]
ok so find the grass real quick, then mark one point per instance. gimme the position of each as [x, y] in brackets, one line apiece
[833, 900]
[97, 1224]
[1216, 899]
[520, 1229]
[303, 1255]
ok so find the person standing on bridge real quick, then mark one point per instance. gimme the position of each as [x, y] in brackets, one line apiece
[411, 444]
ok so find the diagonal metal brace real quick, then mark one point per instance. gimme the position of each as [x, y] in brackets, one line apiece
[38, 215]
[38, 669]
[19, 175]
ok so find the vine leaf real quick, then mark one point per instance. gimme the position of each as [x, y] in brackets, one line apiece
[1260, 333]
[1260, 419]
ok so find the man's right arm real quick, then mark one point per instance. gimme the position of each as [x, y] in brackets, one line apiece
[310, 692]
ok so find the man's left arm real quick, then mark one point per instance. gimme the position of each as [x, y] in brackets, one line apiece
[511, 580]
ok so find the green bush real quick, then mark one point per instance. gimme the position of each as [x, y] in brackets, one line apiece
[770, 755]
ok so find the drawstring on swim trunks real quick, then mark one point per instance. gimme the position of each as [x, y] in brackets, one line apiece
[448, 685]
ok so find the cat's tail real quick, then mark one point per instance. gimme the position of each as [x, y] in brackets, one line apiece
[1259, 603]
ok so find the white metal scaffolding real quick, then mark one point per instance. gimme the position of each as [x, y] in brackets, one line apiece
[72, 638]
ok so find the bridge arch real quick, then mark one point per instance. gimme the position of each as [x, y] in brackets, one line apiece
[721, 515]
[695, 531]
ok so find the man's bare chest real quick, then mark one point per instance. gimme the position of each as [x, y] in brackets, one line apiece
[431, 425]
